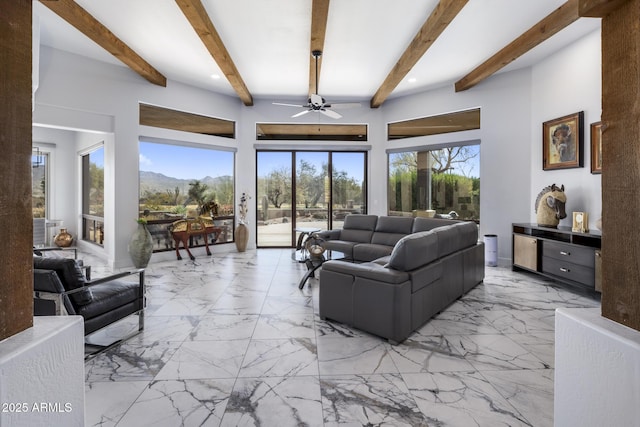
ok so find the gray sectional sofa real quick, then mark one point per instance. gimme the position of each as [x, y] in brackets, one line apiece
[398, 272]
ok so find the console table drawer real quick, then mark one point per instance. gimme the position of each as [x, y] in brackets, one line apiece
[569, 253]
[567, 270]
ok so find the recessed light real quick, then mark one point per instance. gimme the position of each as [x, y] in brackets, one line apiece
[215, 76]
[412, 80]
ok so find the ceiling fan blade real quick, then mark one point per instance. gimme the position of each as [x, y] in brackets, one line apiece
[301, 113]
[330, 113]
[342, 105]
[289, 105]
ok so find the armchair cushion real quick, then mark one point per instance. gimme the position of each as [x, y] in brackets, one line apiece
[70, 275]
[108, 296]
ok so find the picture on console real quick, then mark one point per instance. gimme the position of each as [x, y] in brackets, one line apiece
[562, 142]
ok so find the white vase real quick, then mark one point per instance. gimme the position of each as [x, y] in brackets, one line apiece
[141, 246]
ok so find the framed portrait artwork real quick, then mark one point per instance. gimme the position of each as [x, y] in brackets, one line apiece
[596, 147]
[562, 142]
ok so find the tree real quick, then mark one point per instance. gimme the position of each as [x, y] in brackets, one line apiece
[174, 196]
[196, 192]
[279, 186]
[443, 160]
[310, 183]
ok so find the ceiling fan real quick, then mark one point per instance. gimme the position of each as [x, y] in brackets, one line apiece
[316, 103]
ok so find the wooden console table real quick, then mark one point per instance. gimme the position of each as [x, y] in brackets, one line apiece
[558, 253]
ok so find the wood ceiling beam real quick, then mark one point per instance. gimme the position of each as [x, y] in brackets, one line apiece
[197, 16]
[598, 8]
[444, 12]
[319, 15]
[84, 22]
[547, 27]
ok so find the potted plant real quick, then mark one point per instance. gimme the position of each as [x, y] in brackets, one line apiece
[242, 231]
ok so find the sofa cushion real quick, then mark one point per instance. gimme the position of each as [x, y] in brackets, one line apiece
[414, 250]
[358, 228]
[452, 238]
[426, 224]
[368, 270]
[69, 274]
[360, 222]
[468, 233]
[368, 251]
[390, 229]
[447, 240]
[356, 236]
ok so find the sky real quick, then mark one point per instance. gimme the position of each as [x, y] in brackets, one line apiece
[196, 163]
[185, 162]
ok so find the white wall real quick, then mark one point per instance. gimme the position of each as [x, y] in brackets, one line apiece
[80, 93]
[44, 365]
[505, 101]
[565, 83]
[597, 370]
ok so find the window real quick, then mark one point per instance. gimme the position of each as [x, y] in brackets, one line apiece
[39, 183]
[177, 180]
[298, 190]
[93, 196]
[445, 180]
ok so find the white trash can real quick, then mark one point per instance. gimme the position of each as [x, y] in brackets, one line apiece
[491, 250]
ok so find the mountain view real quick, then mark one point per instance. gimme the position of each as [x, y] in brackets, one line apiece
[153, 182]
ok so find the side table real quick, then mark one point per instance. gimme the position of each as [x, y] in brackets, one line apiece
[315, 263]
[300, 254]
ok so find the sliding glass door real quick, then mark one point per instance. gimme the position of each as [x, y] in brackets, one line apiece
[302, 190]
[274, 189]
[348, 193]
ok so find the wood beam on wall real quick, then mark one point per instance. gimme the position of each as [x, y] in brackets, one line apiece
[598, 8]
[621, 165]
[444, 12]
[319, 15]
[16, 269]
[199, 19]
[547, 27]
[166, 118]
[84, 22]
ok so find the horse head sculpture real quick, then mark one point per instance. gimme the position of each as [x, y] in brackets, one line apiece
[550, 205]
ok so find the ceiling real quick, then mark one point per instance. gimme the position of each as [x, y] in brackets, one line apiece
[269, 42]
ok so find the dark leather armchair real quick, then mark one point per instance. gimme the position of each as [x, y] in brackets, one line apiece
[60, 288]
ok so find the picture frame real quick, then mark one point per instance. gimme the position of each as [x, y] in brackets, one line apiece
[562, 142]
[580, 222]
[596, 147]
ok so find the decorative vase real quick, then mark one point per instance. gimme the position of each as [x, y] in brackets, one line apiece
[141, 246]
[63, 239]
[242, 237]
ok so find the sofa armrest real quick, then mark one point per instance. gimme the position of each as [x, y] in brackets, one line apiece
[329, 234]
[369, 270]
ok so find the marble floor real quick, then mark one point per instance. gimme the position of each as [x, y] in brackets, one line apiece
[230, 340]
